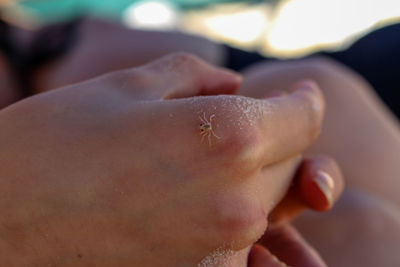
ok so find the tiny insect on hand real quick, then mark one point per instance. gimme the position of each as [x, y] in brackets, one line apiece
[113, 169]
[206, 128]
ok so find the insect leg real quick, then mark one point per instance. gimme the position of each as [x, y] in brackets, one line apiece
[215, 134]
[204, 122]
[205, 119]
[212, 116]
[202, 136]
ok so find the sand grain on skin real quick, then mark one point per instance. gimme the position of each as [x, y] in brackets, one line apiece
[220, 257]
[239, 112]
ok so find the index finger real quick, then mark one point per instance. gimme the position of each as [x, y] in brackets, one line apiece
[294, 122]
[241, 129]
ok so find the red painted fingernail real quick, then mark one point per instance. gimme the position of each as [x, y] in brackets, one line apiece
[325, 183]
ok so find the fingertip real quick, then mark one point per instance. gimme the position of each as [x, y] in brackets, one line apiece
[321, 183]
[325, 184]
[317, 194]
[300, 114]
[310, 88]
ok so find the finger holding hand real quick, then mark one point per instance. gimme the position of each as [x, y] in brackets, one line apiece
[317, 185]
[215, 147]
[141, 159]
[284, 246]
[177, 75]
[250, 137]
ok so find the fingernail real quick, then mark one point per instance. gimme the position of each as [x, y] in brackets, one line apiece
[325, 183]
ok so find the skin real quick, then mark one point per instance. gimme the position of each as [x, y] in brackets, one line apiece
[368, 157]
[281, 244]
[350, 102]
[67, 202]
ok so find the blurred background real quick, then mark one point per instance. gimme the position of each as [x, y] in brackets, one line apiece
[280, 28]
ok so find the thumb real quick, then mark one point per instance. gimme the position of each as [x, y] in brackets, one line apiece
[317, 185]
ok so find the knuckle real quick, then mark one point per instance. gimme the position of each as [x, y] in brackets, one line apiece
[241, 150]
[241, 140]
[233, 133]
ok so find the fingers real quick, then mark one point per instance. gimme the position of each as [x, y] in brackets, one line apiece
[318, 184]
[261, 257]
[294, 122]
[289, 247]
[241, 130]
[273, 129]
[266, 130]
[273, 182]
[182, 75]
[321, 183]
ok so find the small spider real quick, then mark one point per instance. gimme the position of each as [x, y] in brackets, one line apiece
[206, 128]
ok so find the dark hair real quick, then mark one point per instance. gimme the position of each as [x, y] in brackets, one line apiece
[48, 44]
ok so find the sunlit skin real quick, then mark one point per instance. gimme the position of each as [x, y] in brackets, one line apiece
[344, 91]
[95, 190]
[368, 156]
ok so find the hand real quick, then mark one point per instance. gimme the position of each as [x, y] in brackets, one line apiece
[350, 102]
[114, 171]
[317, 186]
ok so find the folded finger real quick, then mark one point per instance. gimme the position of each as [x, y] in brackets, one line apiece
[259, 256]
[289, 247]
[293, 123]
[180, 75]
[317, 185]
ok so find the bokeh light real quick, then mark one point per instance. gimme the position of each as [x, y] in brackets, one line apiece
[235, 24]
[285, 28]
[305, 25]
[151, 15]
